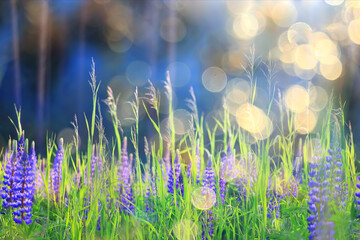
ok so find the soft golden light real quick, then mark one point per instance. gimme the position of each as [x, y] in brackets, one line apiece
[305, 57]
[238, 91]
[214, 79]
[283, 13]
[354, 31]
[305, 122]
[297, 98]
[254, 120]
[318, 98]
[299, 33]
[331, 68]
[239, 7]
[246, 26]
[334, 2]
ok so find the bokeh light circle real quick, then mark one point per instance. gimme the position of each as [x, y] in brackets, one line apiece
[305, 121]
[138, 73]
[334, 2]
[305, 57]
[172, 30]
[297, 98]
[283, 13]
[214, 79]
[331, 69]
[354, 31]
[254, 120]
[318, 98]
[179, 74]
[203, 198]
[246, 26]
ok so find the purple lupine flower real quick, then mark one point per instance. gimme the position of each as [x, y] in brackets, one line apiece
[230, 162]
[24, 187]
[314, 184]
[149, 205]
[9, 176]
[174, 175]
[209, 182]
[188, 175]
[57, 169]
[126, 194]
[95, 164]
[274, 205]
[209, 176]
[357, 195]
[222, 181]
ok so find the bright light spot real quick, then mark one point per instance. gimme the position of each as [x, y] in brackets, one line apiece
[318, 98]
[324, 48]
[138, 73]
[182, 121]
[305, 57]
[237, 91]
[239, 7]
[305, 121]
[254, 120]
[283, 13]
[185, 230]
[172, 30]
[299, 33]
[203, 198]
[331, 68]
[233, 62]
[354, 31]
[214, 79]
[179, 74]
[334, 2]
[297, 98]
[246, 26]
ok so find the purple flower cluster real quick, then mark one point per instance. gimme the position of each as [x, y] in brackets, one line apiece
[57, 170]
[124, 175]
[149, 205]
[9, 176]
[24, 187]
[274, 206]
[95, 166]
[325, 179]
[174, 175]
[18, 190]
[209, 182]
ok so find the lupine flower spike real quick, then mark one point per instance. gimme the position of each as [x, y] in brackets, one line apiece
[24, 188]
[57, 169]
[9, 176]
[124, 173]
[209, 182]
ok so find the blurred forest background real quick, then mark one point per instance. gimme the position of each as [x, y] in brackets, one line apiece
[46, 49]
